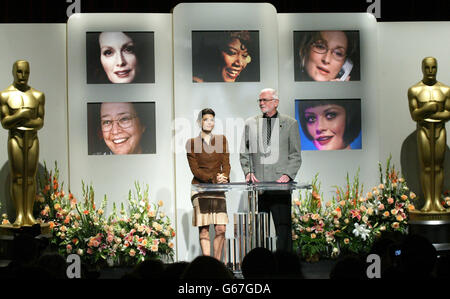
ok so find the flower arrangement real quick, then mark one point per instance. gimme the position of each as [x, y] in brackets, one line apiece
[85, 230]
[392, 201]
[350, 222]
[349, 213]
[142, 232]
[310, 234]
[79, 227]
[53, 205]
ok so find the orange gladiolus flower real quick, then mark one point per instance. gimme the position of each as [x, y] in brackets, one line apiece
[86, 212]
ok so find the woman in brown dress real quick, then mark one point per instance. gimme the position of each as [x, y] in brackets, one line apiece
[208, 159]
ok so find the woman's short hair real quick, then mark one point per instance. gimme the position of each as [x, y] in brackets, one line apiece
[204, 112]
[352, 119]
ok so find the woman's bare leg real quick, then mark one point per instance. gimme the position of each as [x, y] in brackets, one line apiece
[219, 240]
[205, 243]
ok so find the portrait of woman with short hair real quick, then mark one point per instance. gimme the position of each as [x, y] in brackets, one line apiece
[329, 124]
[121, 128]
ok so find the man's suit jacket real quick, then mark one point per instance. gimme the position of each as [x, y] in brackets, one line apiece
[282, 156]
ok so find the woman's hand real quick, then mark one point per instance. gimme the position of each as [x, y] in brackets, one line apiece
[221, 178]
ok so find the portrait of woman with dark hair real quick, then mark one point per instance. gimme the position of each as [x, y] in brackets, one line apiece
[330, 55]
[121, 128]
[120, 57]
[225, 56]
[329, 124]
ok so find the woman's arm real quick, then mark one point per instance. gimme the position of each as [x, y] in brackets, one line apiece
[198, 173]
[226, 168]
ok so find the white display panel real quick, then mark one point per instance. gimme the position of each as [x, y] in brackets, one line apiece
[44, 47]
[232, 102]
[402, 46]
[114, 175]
[333, 165]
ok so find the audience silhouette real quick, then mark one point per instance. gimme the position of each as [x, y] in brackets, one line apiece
[402, 257]
[206, 267]
[259, 263]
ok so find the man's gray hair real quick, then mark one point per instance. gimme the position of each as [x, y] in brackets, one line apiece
[273, 91]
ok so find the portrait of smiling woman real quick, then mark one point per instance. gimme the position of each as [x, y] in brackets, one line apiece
[120, 57]
[225, 56]
[121, 128]
[329, 55]
[329, 124]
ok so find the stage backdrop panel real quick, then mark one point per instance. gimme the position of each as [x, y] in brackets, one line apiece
[401, 48]
[44, 47]
[333, 165]
[114, 175]
[233, 102]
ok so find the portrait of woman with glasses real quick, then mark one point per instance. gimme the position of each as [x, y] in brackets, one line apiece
[121, 128]
[326, 55]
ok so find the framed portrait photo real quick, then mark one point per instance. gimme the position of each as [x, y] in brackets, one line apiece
[120, 57]
[329, 124]
[327, 55]
[225, 56]
[121, 128]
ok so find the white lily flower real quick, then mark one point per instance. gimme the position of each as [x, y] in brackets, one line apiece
[361, 230]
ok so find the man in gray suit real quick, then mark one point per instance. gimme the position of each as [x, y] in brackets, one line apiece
[270, 152]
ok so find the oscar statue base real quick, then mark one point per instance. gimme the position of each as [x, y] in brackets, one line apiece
[435, 226]
[37, 229]
[8, 232]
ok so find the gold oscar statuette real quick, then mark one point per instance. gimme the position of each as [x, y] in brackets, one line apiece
[22, 114]
[429, 104]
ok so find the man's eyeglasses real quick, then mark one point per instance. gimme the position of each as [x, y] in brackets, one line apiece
[124, 122]
[264, 100]
[320, 48]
